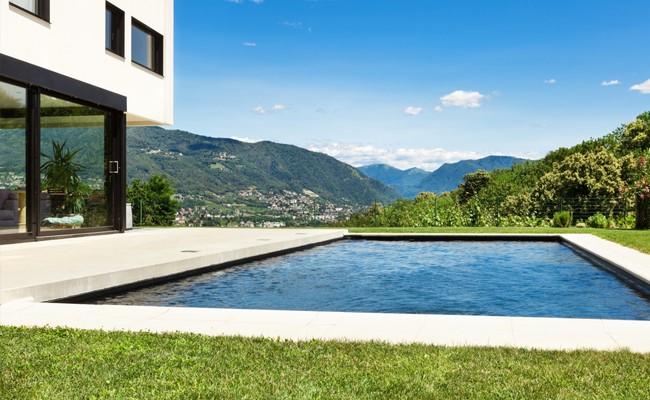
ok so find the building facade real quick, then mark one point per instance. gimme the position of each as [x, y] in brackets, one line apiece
[73, 75]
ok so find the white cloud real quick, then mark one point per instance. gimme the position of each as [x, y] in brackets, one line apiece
[550, 81]
[358, 155]
[461, 98]
[245, 139]
[257, 1]
[249, 44]
[412, 110]
[437, 109]
[610, 83]
[261, 110]
[642, 87]
[235, 1]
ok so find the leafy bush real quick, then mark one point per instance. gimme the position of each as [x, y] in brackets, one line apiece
[626, 222]
[562, 219]
[597, 221]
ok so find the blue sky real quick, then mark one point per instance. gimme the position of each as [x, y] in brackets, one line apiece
[411, 83]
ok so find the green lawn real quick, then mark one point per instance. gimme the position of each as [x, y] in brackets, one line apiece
[639, 240]
[72, 364]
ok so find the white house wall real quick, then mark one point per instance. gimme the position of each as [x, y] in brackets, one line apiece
[73, 44]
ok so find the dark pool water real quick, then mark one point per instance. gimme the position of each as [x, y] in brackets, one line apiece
[470, 278]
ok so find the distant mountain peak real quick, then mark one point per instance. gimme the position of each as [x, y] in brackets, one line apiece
[412, 181]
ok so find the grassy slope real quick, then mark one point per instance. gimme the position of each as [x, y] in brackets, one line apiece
[639, 240]
[62, 363]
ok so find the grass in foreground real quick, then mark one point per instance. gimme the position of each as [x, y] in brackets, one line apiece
[65, 363]
[639, 240]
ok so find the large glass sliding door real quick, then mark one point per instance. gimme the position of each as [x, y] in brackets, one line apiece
[13, 147]
[75, 172]
[62, 155]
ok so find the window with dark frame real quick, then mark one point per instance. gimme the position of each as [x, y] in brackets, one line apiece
[39, 8]
[146, 47]
[114, 29]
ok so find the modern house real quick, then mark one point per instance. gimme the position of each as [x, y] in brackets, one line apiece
[73, 75]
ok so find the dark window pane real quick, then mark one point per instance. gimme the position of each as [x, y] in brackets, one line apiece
[109, 29]
[146, 47]
[114, 29]
[29, 5]
[141, 47]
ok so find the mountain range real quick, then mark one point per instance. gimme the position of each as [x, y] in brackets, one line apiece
[412, 181]
[201, 165]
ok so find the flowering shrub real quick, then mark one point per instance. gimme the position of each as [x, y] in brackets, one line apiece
[640, 188]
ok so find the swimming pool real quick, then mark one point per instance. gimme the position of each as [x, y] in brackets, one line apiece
[538, 279]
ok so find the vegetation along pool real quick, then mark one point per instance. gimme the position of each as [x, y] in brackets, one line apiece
[534, 279]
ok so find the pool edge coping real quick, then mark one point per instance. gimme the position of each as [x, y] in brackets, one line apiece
[628, 260]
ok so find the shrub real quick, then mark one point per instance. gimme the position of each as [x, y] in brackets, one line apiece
[597, 221]
[562, 219]
[626, 222]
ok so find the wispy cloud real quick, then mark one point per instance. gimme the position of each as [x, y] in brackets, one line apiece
[245, 139]
[461, 98]
[249, 44]
[257, 1]
[551, 81]
[235, 1]
[643, 87]
[358, 155]
[259, 110]
[610, 83]
[412, 110]
[437, 109]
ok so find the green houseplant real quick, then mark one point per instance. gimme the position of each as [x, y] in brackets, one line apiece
[61, 178]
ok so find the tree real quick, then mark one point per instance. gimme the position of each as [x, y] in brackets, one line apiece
[152, 201]
[595, 175]
[472, 184]
[635, 139]
[636, 136]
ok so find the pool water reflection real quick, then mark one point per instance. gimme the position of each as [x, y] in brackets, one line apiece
[534, 279]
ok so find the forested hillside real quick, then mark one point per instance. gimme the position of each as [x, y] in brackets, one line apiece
[601, 182]
[200, 165]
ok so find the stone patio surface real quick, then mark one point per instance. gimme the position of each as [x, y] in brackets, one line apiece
[31, 273]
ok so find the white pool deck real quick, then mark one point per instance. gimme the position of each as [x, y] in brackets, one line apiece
[33, 273]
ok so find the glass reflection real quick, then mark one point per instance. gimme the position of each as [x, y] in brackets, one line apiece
[13, 167]
[74, 159]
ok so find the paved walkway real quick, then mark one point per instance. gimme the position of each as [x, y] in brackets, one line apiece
[71, 266]
[56, 269]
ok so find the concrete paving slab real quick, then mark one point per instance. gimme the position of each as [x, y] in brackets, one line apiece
[629, 260]
[70, 267]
